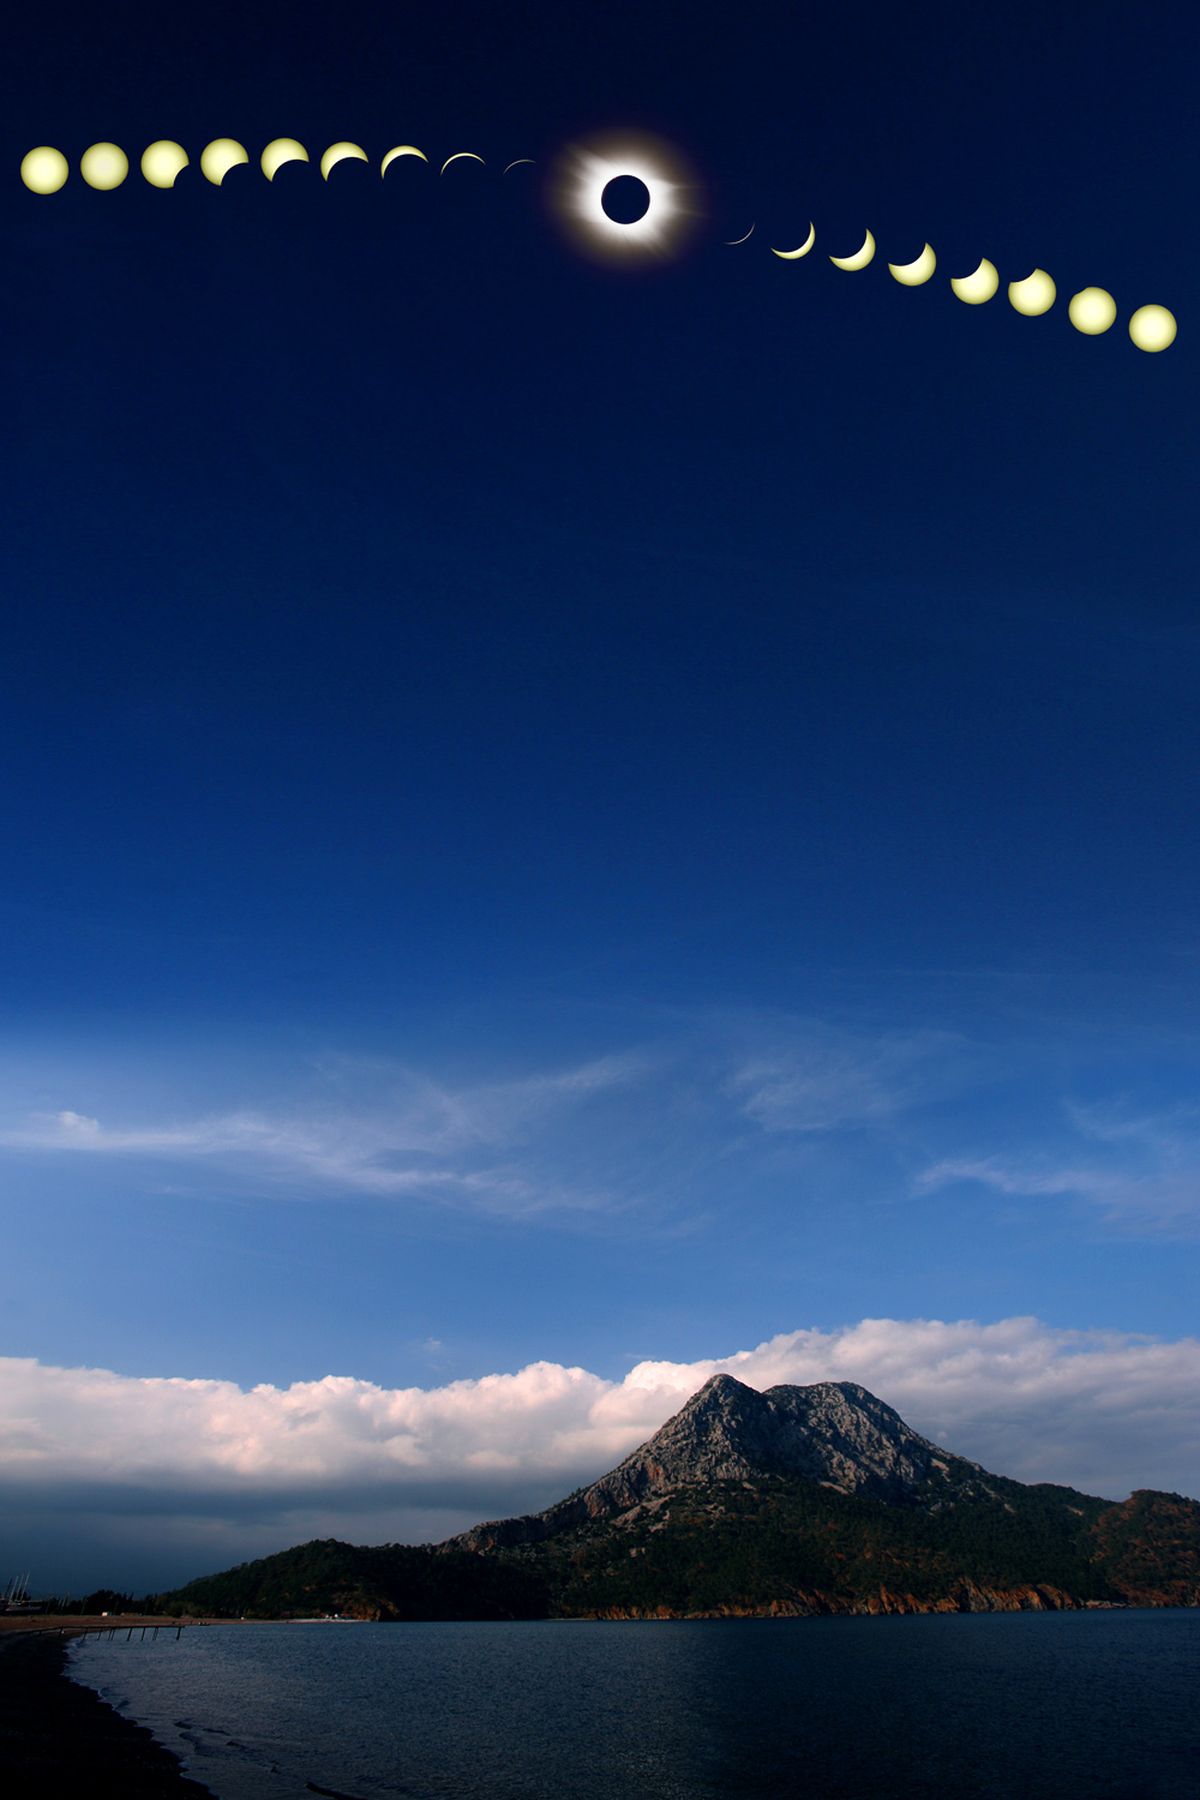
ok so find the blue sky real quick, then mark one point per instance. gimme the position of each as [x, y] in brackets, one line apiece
[558, 815]
[602, 1181]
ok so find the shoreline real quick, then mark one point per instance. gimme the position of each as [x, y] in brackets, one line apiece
[56, 1735]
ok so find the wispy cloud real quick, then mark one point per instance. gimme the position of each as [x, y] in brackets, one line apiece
[1013, 1178]
[1140, 1169]
[639, 1130]
[819, 1078]
[1172, 1133]
[417, 1138]
[645, 1129]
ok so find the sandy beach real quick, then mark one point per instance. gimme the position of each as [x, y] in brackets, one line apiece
[59, 1737]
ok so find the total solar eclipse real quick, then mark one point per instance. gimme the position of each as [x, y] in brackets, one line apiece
[626, 197]
[625, 200]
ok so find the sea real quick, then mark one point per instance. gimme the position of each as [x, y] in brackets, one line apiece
[1007, 1706]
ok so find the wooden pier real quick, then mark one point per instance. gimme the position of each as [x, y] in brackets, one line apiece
[111, 1631]
[68, 1625]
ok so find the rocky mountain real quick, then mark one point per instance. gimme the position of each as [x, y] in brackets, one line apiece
[822, 1499]
[797, 1500]
[834, 1433]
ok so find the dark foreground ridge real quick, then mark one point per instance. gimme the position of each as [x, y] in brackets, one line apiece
[799, 1500]
[59, 1738]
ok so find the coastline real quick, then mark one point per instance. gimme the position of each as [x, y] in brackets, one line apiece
[58, 1736]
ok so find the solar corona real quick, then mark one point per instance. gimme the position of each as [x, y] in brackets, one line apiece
[662, 205]
[673, 201]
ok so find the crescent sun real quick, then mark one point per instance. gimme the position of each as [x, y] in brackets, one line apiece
[280, 151]
[457, 157]
[914, 273]
[1033, 296]
[401, 150]
[515, 164]
[732, 241]
[978, 286]
[337, 153]
[217, 158]
[806, 246]
[860, 259]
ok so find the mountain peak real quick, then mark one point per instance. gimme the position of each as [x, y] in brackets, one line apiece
[835, 1433]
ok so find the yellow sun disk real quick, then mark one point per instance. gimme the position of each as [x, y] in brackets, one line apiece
[1153, 328]
[979, 286]
[916, 272]
[280, 151]
[1033, 296]
[337, 153]
[217, 158]
[162, 162]
[860, 258]
[1092, 311]
[104, 166]
[44, 169]
[401, 150]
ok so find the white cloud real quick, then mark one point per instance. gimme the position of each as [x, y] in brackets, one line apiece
[818, 1078]
[78, 1125]
[1106, 1412]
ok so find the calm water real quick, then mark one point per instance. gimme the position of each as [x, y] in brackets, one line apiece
[1070, 1705]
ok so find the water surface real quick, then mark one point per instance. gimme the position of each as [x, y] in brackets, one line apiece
[1070, 1705]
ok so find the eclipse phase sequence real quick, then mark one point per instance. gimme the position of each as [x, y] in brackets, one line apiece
[626, 198]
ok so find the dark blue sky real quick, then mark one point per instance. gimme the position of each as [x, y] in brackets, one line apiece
[561, 812]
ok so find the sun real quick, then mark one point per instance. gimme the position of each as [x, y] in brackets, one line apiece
[673, 198]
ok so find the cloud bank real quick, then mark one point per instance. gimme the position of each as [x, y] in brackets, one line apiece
[1106, 1412]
